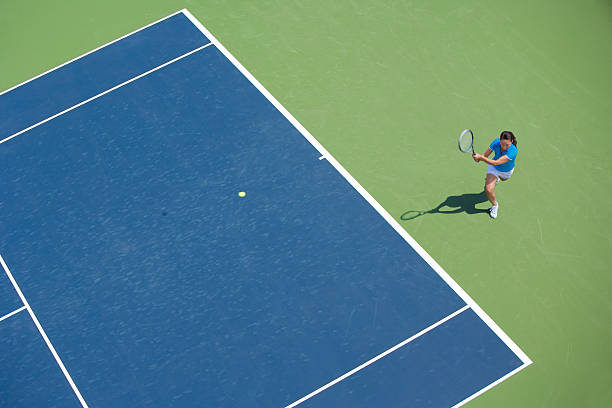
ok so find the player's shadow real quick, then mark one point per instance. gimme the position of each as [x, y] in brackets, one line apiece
[456, 204]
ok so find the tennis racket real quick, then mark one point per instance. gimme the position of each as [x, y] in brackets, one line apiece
[466, 142]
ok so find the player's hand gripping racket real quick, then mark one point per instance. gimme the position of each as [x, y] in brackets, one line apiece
[466, 142]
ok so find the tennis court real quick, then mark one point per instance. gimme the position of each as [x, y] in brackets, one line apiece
[151, 282]
[131, 266]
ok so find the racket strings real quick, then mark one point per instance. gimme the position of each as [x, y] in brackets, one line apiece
[466, 141]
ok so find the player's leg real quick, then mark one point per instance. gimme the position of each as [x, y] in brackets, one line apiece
[490, 182]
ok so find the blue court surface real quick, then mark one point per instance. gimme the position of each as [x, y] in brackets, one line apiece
[135, 276]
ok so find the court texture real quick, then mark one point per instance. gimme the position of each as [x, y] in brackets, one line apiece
[133, 274]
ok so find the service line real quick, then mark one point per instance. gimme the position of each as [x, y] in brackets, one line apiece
[43, 334]
[14, 312]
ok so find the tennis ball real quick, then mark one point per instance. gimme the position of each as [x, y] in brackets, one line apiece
[241, 194]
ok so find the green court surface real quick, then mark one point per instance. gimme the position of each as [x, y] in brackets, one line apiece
[386, 87]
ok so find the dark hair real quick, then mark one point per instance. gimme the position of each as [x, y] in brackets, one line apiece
[508, 135]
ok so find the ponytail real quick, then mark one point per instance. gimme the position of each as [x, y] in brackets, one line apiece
[507, 135]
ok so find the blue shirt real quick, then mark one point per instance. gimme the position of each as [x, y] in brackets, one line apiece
[511, 153]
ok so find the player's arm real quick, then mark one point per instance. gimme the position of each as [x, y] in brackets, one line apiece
[501, 160]
[479, 157]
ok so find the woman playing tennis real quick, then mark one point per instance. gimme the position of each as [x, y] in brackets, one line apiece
[501, 167]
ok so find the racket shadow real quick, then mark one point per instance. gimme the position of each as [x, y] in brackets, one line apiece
[464, 203]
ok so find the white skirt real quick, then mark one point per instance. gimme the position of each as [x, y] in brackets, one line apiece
[499, 174]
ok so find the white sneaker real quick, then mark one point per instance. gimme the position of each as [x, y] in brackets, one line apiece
[493, 211]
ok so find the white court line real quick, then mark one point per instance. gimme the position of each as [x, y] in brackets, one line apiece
[43, 334]
[14, 312]
[488, 387]
[396, 226]
[378, 357]
[87, 53]
[104, 93]
[437, 268]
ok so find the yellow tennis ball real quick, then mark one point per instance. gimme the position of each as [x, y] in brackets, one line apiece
[241, 194]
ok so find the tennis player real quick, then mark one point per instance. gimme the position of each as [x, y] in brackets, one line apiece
[501, 167]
